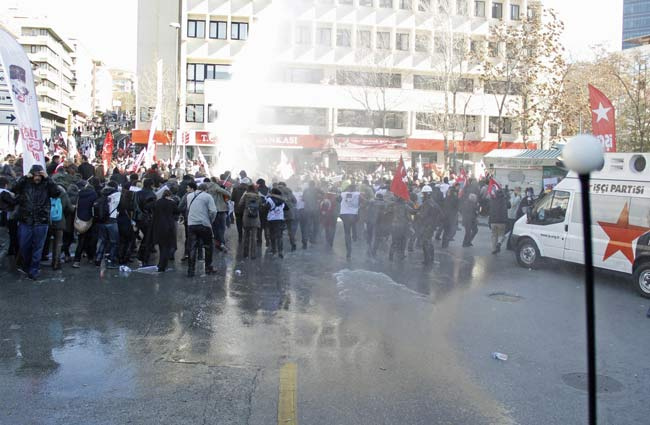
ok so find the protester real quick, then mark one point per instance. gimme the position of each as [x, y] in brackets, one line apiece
[275, 218]
[33, 193]
[498, 218]
[201, 213]
[164, 228]
[250, 203]
[469, 214]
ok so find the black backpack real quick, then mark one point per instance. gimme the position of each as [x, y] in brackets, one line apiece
[100, 210]
[253, 208]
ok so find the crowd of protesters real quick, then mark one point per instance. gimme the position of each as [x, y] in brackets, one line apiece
[76, 213]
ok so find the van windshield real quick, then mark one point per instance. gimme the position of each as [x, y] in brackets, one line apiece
[551, 208]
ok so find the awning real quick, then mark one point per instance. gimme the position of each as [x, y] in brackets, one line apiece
[468, 146]
[142, 137]
[370, 154]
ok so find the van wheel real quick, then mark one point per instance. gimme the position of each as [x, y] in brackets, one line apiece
[528, 254]
[642, 279]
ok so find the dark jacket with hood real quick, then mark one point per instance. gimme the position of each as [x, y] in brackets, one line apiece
[85, 201]
[499, 208]
[34, 200]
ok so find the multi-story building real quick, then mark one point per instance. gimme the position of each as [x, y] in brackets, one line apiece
[351, 80]
[50, 55]
[102, 99]
[123, 90]
[636, 22]
[82, 70]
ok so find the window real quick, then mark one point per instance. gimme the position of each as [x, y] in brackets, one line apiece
[497, 10]
[383, 40]
[368, 79]
[363, 39]
[424, 5]
[303, 35]
[475, 46]
[324, 36]
[217, 72]
[506, 125]
[345, 2]
[514, 12]
[304, 75]
[433, 121]
[194, 113]
[218, 30]
[502, 87]
[493, 49]
[146, 113]
[285, 115]
[195, 77]
[212, 113]
[402, 41]
[428, 82]
[551, 209]
[405, 4]
[238, 31]
[195, 29]
[461, 7]
[422, 43]
[386, 4]
[370, 119]
[367, 3]
[554, 130]
[479, 9]
[343, 38]
[465, 85]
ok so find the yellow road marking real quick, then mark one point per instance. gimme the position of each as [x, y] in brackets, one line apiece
[287, 403]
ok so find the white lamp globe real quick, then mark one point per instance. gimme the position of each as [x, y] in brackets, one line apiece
[583, 154]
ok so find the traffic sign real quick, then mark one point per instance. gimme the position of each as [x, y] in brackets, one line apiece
[7, 118]
[5, 99]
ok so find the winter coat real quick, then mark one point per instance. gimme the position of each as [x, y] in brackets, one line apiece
[329, 207]
[469, 211]
[376, 209]
[145, 200]
[311, 197]
[86, 170]
[34, 200]
[164, 222]
[401, 217]
[237, 194]
[243, 204]
[64, 179]
[499, 209]
[87, 197]
[429, 216]
[514, 206]
[450, 206]
[276, 208]
[68, 210]
[290, 202]
[220, 196]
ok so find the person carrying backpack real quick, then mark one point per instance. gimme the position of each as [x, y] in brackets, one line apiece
[275, 218]
[250, 206]
[59, 207]
[87, 241]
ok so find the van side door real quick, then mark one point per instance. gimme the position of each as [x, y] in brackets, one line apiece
[549, 221]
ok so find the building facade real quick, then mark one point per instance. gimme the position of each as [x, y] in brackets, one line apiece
[636, 21]
[123, 90]
[357, 81]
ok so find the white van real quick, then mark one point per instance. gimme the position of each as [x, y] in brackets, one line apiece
[620, 211]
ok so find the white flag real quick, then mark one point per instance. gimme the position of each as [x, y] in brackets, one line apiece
[18, 71]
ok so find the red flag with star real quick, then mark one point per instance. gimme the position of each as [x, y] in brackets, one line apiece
[398, 186]
[603, 124]
[621, 235]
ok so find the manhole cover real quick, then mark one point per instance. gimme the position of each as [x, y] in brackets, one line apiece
[604, 383]
[505, 297]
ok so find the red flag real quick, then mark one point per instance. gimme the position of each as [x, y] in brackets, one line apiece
[603, 124]
[398, 186]
[493, 186]
[107, 152]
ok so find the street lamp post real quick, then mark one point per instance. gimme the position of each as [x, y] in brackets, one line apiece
[584, 154]
[177, 27]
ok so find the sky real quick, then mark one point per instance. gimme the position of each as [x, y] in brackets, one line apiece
[108, 27]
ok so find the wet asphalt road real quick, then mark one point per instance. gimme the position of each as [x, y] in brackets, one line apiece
[373, 342]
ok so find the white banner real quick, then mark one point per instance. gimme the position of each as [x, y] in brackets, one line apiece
[18, 74]
[156, 121]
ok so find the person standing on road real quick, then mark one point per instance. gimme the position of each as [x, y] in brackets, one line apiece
[251, 204]
[350, 203]
[428, 216]
[164, 228]
[275, 217]
[237, 193]
[498, 219]
[374, 211]
[33, 193]
[401, 216]
[201, 213]
[329, 212]
[145, 200]
[469, 215]
[290, 217]
[450, 223]
[221, 196]
[106, 223]
[312, 197]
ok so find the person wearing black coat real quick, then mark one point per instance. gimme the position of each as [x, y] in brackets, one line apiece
[145, 200]
[469, 215]
[33, 193]
[87, 241]
[165, 211]
[428, 216]
[237, 194]
[450, 224]
[86, 169]
[498, 220]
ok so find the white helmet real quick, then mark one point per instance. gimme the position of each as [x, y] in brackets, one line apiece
[427, 189]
